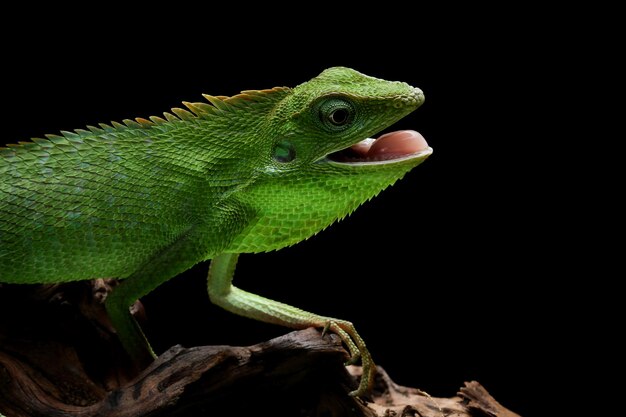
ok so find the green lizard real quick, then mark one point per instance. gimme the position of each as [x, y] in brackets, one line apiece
[145, 200]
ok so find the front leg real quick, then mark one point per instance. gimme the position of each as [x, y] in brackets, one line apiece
[231, 298]
[169, 262]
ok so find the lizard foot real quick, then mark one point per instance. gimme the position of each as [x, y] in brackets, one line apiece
[356, 346]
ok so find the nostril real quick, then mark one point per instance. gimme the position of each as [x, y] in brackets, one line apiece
[414, 97]
[418, 94]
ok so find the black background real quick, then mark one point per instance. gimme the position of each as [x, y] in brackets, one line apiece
[443, 274]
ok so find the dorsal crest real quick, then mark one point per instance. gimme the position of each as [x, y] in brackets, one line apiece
[215, 106]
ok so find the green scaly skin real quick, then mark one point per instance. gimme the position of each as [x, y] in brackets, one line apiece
[145, 200]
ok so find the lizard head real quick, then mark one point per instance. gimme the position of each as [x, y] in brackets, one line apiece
[319, 162]
[329, 120]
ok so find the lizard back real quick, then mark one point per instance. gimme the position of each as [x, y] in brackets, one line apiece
[94, 203]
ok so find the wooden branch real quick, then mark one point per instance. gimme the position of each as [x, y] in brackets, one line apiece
[64, 360]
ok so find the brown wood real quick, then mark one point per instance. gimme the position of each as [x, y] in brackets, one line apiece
[60, 357]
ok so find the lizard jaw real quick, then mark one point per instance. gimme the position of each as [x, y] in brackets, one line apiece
[389, 148]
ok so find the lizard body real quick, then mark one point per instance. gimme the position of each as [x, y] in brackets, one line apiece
[145, 200]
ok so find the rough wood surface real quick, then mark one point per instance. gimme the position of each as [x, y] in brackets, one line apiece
[59, 357]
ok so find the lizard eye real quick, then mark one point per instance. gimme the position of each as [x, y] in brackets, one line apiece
[336, 113]
[338, 117]
[284, 151]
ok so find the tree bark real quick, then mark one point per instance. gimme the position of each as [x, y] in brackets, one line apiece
[63, 359]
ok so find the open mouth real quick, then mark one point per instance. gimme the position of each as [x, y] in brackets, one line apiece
[390, 147]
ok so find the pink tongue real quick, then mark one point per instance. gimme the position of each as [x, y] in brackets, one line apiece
[392, 145]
